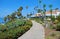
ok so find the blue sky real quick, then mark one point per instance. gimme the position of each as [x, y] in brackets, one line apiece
[9, 6]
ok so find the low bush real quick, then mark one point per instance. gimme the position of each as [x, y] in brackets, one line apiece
[53, 18]
[58, 27]
[58, 18]
[53, 34]
[28, 23]
[51, 27]
[15, 32]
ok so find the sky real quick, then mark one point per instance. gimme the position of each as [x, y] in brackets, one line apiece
[9, 6]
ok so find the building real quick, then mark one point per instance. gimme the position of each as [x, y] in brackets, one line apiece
[48, 13]
[54, 13]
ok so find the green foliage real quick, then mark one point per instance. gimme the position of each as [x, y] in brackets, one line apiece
[58, 27]
[53, 34]
[58, 18]
[28, 23]
[52, 27]
[15, 30]
[53, 18]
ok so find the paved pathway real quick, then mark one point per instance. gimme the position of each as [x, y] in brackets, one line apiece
[36, 32]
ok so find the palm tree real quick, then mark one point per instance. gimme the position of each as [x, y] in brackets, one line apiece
[13, 15]
[5, 19]
[44, 11]
[38, 10]
[19, 14]
[26, 7]
[27, 15]
[50, 6]
[36, 7]
[56, 10]
[30, 14]
[8, 17]
[39, 1]
[20, 9]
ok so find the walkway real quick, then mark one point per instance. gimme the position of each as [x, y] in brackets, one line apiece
[36, 32]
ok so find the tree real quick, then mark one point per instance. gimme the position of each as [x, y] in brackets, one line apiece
[56, 12]
[39, 10]
[56, 8]
[40, 1]
[50, 6]
[30, 14]
[27, 15]
[58, 18]
[36, 7]
[5, 19]
[13, 16]
[8, 17]
[19, 14]
[44, 11]
[26, 7]
[20, 9]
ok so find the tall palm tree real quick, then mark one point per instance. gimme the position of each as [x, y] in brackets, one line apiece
[19, 13]
[44, 12]
[35, 8]
[40, 1]
[50, 6]
[27, 10]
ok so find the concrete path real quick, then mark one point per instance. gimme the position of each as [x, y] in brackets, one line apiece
[36, 32]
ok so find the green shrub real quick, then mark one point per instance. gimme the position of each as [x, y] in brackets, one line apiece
[28, 23]
[53, 18]
[58, 27]
[15, 32]
[53, 34]
[58, 18]
[51, 27]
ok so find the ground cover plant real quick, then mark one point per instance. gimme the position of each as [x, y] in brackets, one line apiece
[13, 31]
